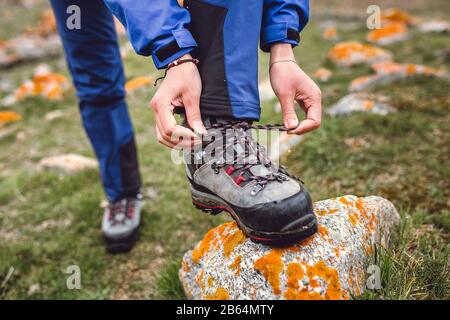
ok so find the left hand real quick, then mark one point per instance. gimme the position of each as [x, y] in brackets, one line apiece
[291, 84]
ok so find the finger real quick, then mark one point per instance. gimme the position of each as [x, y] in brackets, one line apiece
[162, 141]
[290, 119]
[171, 131]
[192, 107]
[175, 140]
[312, 120]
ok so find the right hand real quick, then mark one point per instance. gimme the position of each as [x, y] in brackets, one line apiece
[182, 86]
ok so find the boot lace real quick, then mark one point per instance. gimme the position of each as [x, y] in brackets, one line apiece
[241, 161]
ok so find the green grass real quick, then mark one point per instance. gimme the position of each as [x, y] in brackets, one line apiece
[49, 221]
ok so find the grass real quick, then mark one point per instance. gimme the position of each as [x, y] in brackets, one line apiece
[50, 221]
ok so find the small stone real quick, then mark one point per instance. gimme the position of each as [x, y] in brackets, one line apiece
[323, 74]
[69, 163]
[265, 91]
[53, 115]
[435, 26]
[34, 288]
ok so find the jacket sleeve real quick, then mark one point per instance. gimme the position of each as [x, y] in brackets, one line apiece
[282, 22]
[155, 27]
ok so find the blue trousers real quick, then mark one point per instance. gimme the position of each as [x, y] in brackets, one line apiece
[94, 61]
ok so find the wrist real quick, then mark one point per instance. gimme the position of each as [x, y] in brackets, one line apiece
[281, 51]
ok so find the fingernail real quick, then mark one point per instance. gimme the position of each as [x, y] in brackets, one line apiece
[291, 123]
[200, 129]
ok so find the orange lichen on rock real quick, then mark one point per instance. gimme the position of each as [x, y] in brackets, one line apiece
[9, 116]
[344, 201]
[48, 85]
[46, 25]
[353, 219]
[330, 276]
[387, 31]
[396, 15]
[236, 265]
[220, 294]
[323, 231]
[330, 33]
[185, 266]
[210, 281]
[203, 246]
[387, 67]
[319, 271]
[294, 274]
[212, 240]
[271, 267]
[323, 74]
[345, 50]
[137, 83]
[231, 241]
[368, 105]
[200, 280]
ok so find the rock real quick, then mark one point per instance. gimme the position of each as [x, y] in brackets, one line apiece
[28, 48]
[44, 83]
[138, 83]
[323, 74]
[53, 115]
[388, 71]
[389, 33]
[9, 116]
[265, 91]
[396, 15]
[68, 163]
[435, 26]
[351, 53]
[330, 34]
[330, 265]
[40, 41]
[34, 288]
[359, 103]
[284, 143]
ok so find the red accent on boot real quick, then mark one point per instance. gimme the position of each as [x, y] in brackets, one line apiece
[230, 170]
[239, 179]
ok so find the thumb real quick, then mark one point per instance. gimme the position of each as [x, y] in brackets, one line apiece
[290, 119]
[194, 119]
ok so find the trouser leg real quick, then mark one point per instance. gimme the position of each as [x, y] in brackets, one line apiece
[94, 61]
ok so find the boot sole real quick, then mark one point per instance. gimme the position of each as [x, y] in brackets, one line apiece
[121, 245]
[214, 205]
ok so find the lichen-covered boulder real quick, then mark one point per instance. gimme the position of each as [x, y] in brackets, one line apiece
[352, 53]
[387, 72]
[360, 103]
[329, 265]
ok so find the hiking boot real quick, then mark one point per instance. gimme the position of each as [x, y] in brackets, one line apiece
[231, 172]
[120, 224]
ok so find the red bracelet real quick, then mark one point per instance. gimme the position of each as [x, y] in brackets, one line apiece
[174, 64]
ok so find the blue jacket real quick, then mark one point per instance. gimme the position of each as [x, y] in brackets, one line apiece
[223, 34]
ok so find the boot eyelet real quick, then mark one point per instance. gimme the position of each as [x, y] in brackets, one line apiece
[256, 189]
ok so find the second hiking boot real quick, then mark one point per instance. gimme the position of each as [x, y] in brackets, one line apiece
[230, 171]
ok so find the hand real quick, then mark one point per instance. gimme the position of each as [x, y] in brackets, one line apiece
[291, 84]
[181, 87]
